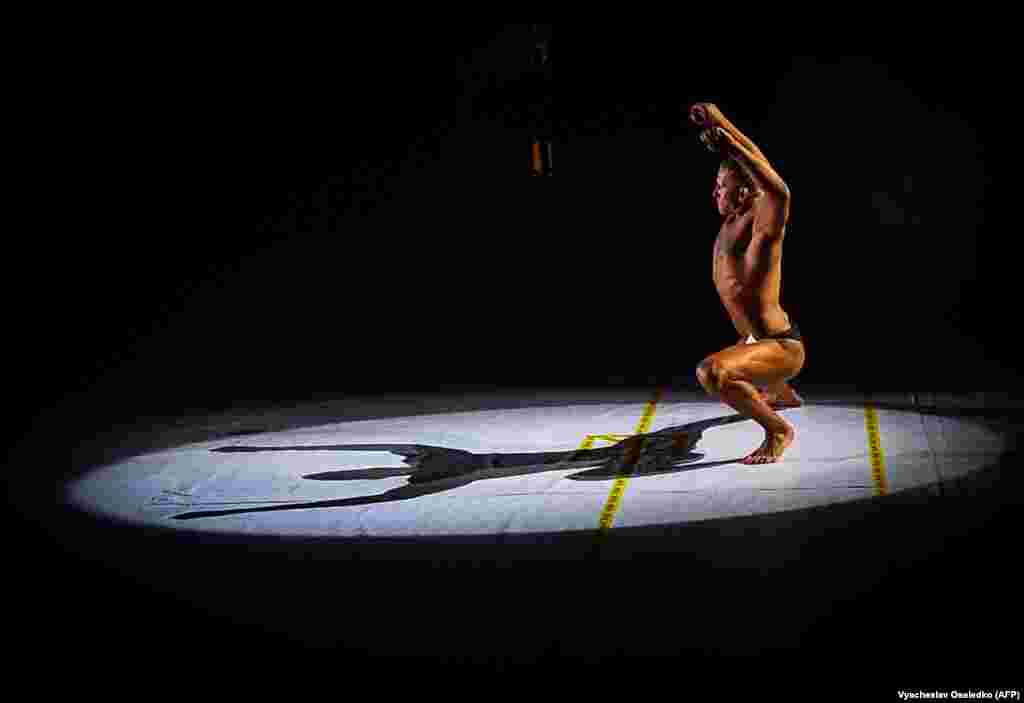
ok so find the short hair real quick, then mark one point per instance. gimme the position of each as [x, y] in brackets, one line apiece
[730, 164]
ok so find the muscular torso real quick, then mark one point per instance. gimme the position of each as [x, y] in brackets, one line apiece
[749, 277]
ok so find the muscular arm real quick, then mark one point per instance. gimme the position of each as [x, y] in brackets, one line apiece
[707, 116]
[757, 167]
[735, 144]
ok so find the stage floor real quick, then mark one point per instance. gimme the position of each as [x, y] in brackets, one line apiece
[507, 466]
[517, 523]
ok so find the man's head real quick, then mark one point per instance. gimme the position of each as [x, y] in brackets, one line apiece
[733, 189]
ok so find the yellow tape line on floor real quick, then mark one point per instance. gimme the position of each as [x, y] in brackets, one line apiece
[875, 444]
[632, 455]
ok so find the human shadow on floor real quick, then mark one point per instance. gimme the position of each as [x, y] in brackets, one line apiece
[436, 469]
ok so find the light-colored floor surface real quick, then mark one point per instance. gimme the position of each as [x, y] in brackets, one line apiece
[517, 523]
[533, 462]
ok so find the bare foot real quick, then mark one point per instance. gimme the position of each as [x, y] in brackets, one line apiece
[772, 448]
[782, 397]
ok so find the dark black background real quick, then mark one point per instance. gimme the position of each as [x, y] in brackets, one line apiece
[247, 228]
[223, 226]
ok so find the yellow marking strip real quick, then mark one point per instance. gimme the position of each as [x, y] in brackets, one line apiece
[631, 456]
[613, 437]
[875, 443]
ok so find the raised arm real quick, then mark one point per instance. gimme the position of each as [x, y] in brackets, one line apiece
[757, 167]
[732, 143]
[708, 116]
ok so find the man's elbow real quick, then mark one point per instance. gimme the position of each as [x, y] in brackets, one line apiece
[778, 196]
[777, 190]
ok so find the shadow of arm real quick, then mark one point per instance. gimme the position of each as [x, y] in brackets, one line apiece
[401, 493]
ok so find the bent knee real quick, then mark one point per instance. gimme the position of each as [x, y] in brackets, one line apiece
[703, 372]
[712, 375]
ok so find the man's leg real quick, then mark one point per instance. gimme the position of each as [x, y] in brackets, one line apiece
[781, 395]
[743, 397]
[733, 375]
[778, 395]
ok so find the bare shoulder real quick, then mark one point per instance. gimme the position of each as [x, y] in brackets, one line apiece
[771, 213]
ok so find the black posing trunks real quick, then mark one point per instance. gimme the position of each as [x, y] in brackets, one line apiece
[792, 333]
